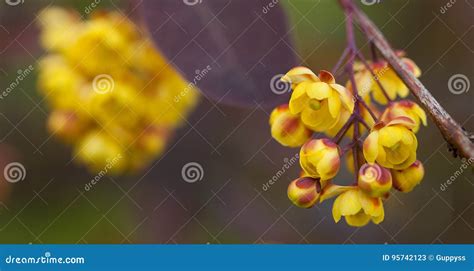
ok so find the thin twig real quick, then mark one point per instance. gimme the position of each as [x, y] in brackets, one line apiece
[340, 61]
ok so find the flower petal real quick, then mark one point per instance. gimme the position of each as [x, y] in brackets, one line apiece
[298, 75]
[350, 204]
[346, 96]
[371, 147]
[358, 220]
[334, 104]
[318, 90]
[298, 98]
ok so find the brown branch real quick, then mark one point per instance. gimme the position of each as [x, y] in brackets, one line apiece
[449, 128]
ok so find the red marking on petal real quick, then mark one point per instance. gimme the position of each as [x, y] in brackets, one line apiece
[291, 125]
[326, 77]
[327, 142]
[305, 182]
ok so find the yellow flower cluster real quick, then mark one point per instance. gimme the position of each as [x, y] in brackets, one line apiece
[385, 160]
[114, 97]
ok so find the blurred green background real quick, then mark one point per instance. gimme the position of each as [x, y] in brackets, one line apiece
[234, 148]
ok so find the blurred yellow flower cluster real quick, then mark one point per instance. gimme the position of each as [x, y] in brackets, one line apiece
[113, 96]
[386, 159]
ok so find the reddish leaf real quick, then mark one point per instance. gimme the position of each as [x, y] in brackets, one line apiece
[245, 43]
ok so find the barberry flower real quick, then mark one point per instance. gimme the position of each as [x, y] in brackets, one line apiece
[319, 100]
[319, 158]
[392, 145]
[67, 125]
[374, 180]
[120, 98]
[98, 151]
[387, 77]
[405, 108]
[287, 128]
[406, 179]
[358, 208]
[304, 192]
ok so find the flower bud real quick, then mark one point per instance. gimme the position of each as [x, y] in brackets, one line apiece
[304, 192]
[100, 153]
[67, 125]
[405, 180]
[153, 140]
[287, 128]
[405, 108]
[374, 180]
[319, 158]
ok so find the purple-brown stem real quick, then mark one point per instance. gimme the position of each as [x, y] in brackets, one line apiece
[340, 61]
[351, 44]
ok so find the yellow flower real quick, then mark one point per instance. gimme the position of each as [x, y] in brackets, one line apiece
[111, 92]
[319, 100]
[319, 158]
[394, 86]
[405, 180]
[358, 208]
[59, 27]
[100, 152]
[287, 128]
[304, 192]
[392, 145]
[375, 180]
[67, 125]
[405, 108]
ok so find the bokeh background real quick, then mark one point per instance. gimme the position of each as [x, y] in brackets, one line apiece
[234, 147]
